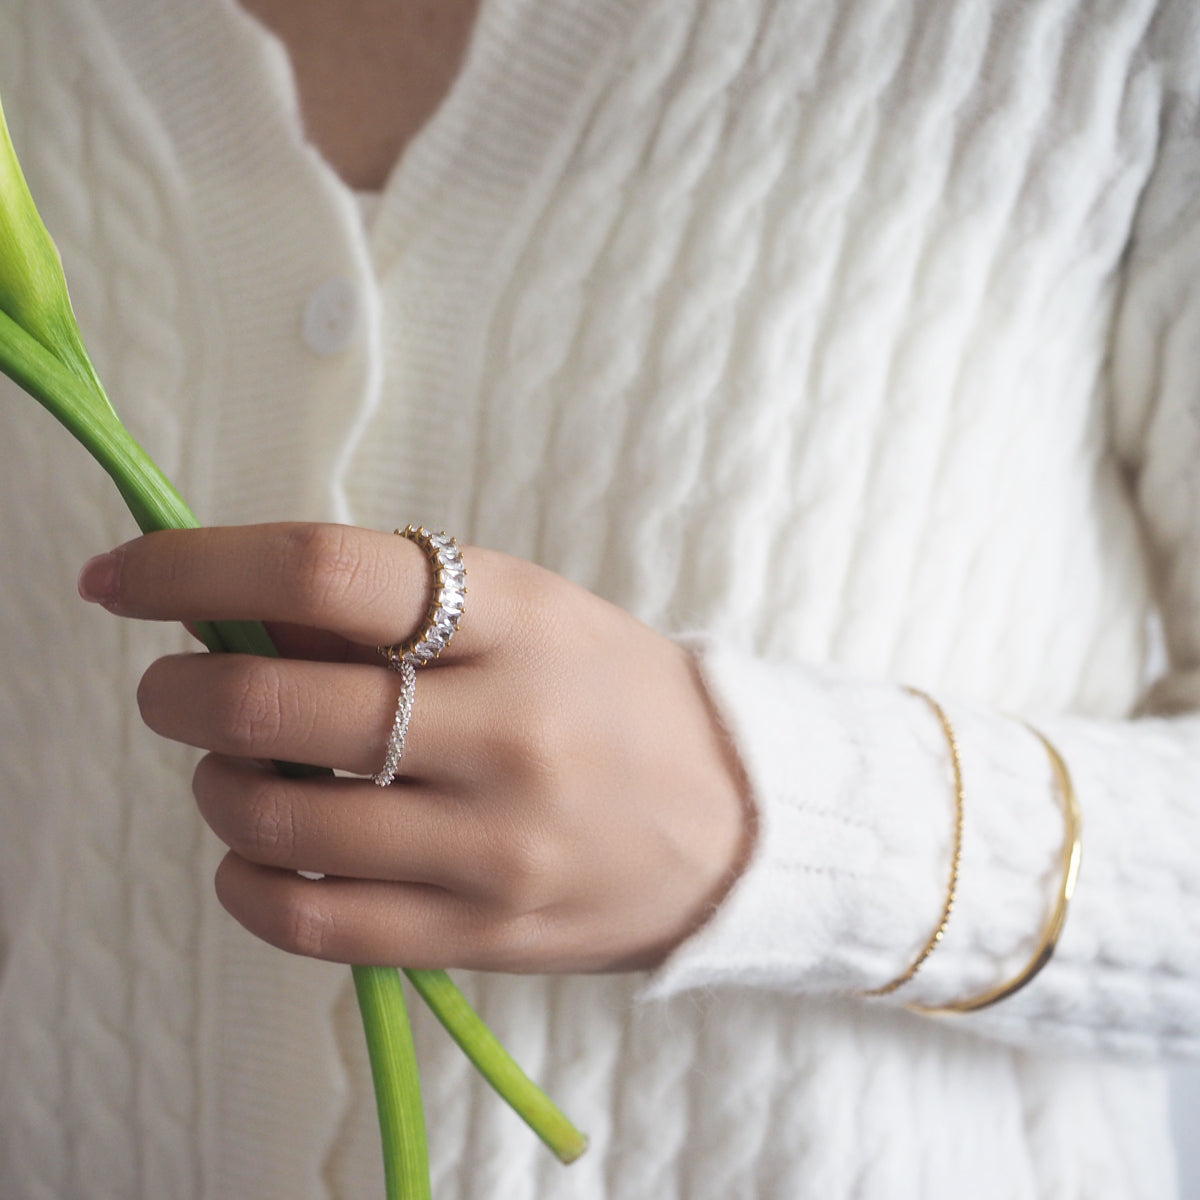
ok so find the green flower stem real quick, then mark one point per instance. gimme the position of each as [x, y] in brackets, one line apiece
[497, 1066]
[42, 350]
[397, 1083]
[149, 494]
[155, 505]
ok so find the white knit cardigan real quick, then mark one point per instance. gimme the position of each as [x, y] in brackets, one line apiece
[857, 341]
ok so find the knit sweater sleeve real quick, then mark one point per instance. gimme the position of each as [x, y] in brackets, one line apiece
[853, 783]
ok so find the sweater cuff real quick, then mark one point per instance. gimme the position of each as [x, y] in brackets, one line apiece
[853, 791]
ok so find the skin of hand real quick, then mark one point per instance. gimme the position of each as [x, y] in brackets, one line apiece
[567, 801]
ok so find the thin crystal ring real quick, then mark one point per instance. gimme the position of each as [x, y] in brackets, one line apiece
[396, 740]
[441, 620]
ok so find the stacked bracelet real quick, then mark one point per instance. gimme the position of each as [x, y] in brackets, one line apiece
[955, 856]
[1071, 853]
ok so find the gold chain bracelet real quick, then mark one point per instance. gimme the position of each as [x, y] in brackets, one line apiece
[955, 857]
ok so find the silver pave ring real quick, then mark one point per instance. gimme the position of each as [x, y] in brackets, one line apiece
[441, 620]
[395, 747]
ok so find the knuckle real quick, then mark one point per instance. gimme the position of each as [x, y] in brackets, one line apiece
[253, 716]
[324, 564]
[253, 815]
[527, 741]
[522, 874]
[512, 943]
[477, 940]
[536, 608]
[268, 833]
[305, 927]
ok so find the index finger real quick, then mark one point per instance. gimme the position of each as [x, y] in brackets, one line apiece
[368, 587]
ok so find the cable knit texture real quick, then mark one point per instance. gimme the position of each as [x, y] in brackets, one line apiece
[853, 342]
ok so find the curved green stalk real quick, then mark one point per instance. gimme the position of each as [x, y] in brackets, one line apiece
[149, 494]
[397, 1083]
[497, 1066]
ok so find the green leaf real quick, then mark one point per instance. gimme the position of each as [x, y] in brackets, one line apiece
[33, 289]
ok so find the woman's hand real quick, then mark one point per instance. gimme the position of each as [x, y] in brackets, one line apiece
[566, 801]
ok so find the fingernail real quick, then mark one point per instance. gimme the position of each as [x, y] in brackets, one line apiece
[100, 578]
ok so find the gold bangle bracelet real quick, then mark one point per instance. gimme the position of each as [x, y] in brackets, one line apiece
[955, 857]
[1071, 852]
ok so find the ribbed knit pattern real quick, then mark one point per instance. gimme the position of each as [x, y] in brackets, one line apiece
[853, 343]
[99, 996]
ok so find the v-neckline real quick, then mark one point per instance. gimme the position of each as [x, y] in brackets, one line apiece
[364, 92]
[525, 63]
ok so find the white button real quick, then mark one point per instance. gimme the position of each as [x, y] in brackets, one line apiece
[331, 316]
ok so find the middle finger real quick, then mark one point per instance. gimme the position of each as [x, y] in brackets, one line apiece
[335, 715]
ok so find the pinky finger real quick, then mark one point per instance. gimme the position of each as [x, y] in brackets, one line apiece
[358, 921]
